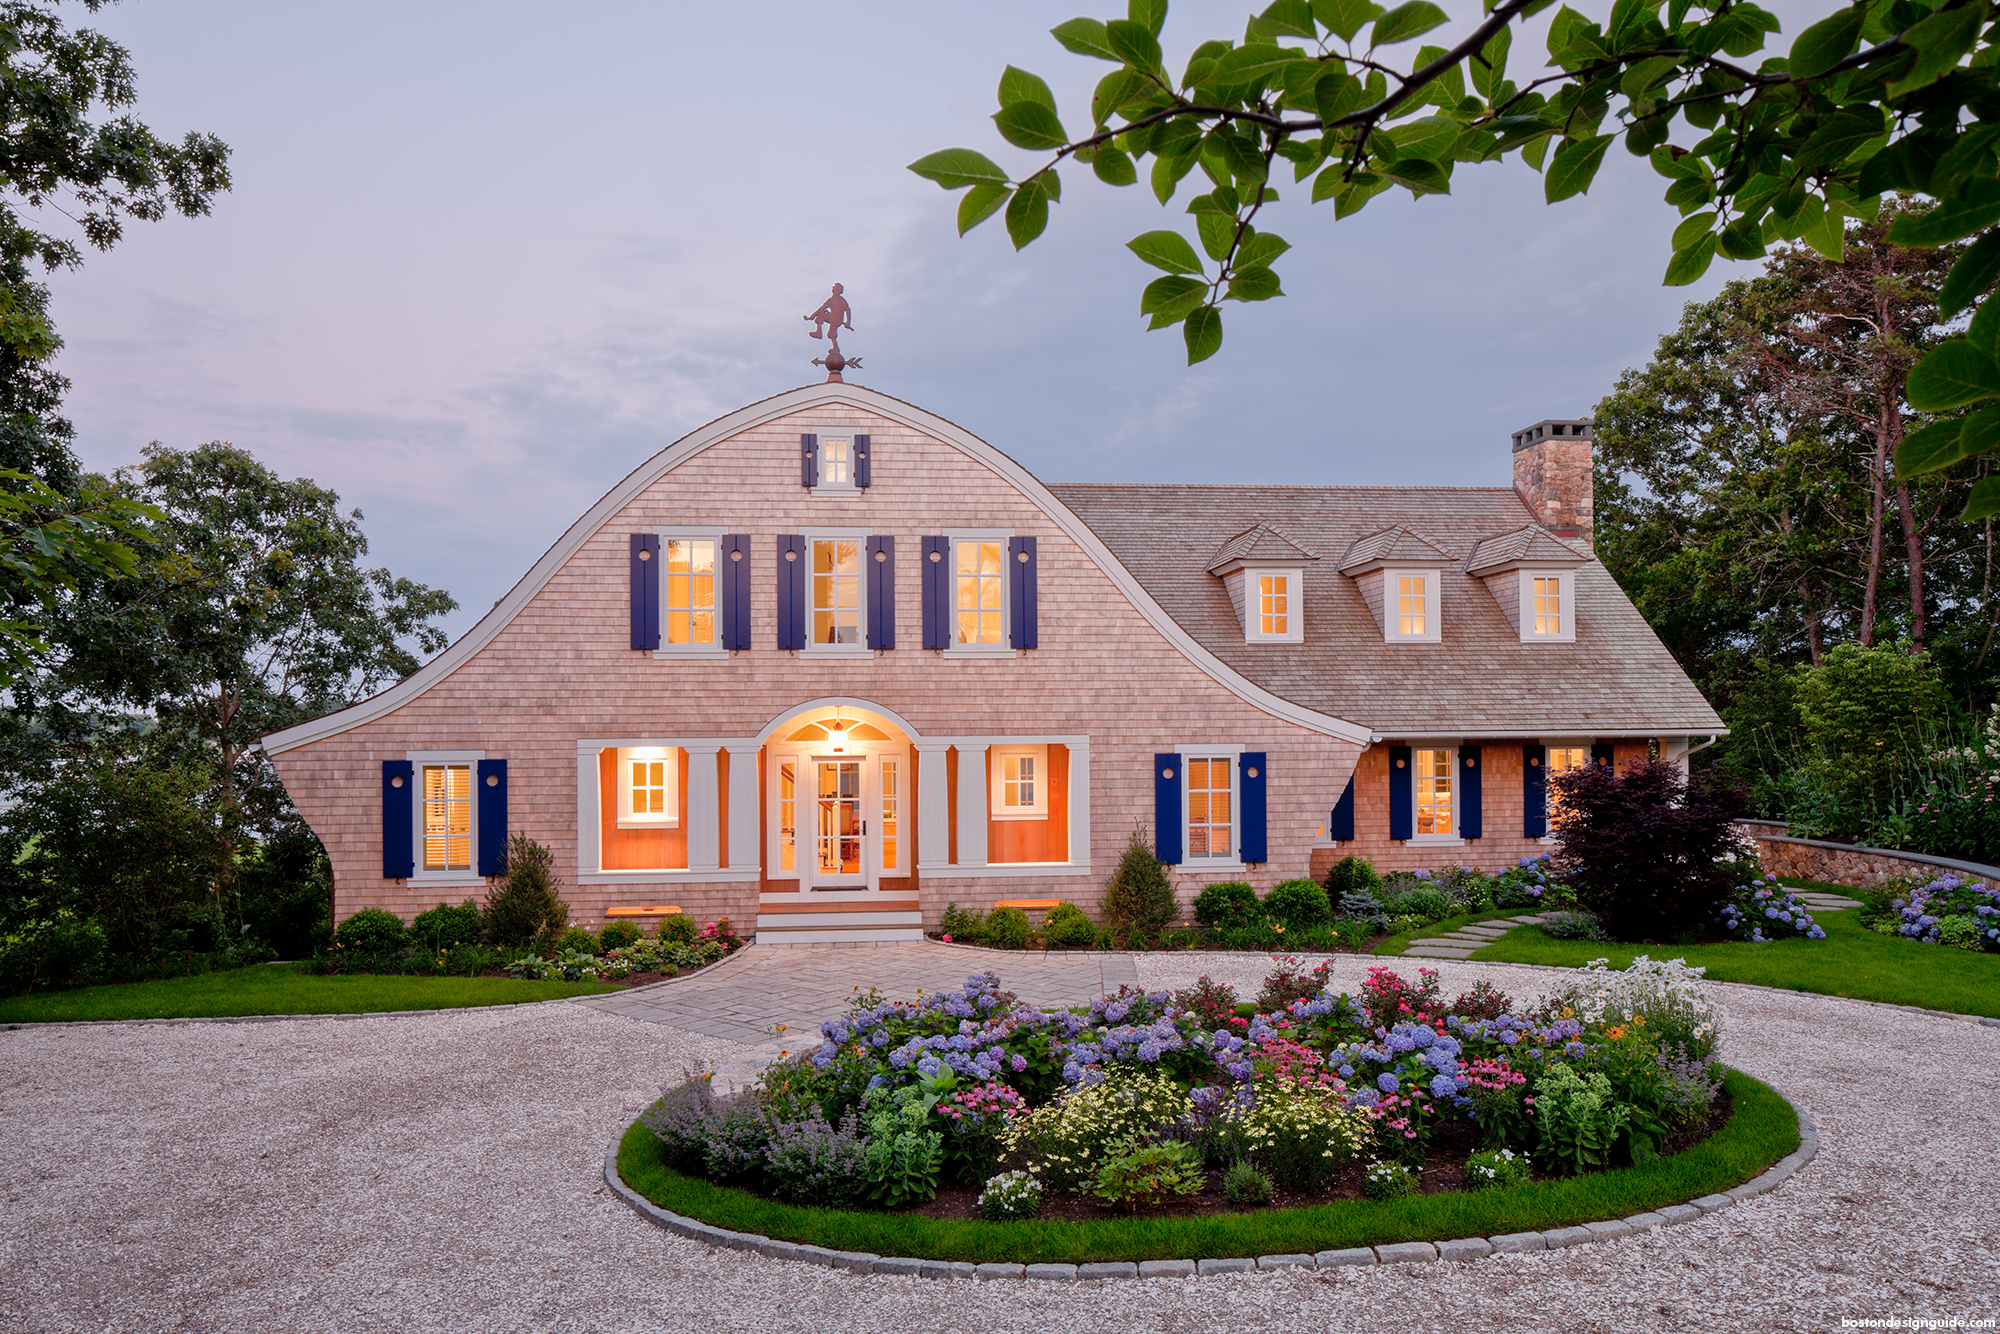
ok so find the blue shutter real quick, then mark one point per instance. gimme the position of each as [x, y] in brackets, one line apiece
[1602, 754]
[645, 591]
[864, 466]
[1167, 808]
[491, 778]
[809, 461]
[1251, 771]
[1402, 794]
[1021, 579]
[1535, 791]
[399, 848]
[1471, 823]
[734, 605]
[937, 592]
[881, 559]
[791, 591]
[1340, 825]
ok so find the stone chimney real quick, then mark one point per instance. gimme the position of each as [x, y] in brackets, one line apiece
[1552, 475]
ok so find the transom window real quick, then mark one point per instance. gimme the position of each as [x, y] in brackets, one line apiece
[1548, 604]
[979, 597]
[1211, 808]
[836, 590]
[1412, 604]
[690, 591]
[1433, 780]
[447, 817]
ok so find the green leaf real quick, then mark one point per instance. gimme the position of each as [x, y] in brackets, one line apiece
[1686, 167]
[1113, 166]
[1261, 248]
[1245, 163]
[1971, 276]
[1294, 18]
[1405, 21]
[1166, 250]
[1030, 125]
[1935, 446]
[1575, 163]
[1827, 43]
[1115, 90]
[1693, 229]
[1940, 40]
[1254, 61]
[1741, 239]
[1827, 235]
[1028, 210]
[1134, 44]
[1173, 296]
[1017, 85]
[1984, 502]
[1953, 374]
[1838, 136]
[1085, 37]
[956, 168]
[1218, 233]
[1689, 264]
[980, 203]
[1950, 221]
[1489, 67]
[1646, 73]
[1203, 333]
[1336, 94]
[1430, 138]
[1419, 176]
[1344, 18]
[1984, 331]
[1151, 13]
[1168, 169]
[1254, 283]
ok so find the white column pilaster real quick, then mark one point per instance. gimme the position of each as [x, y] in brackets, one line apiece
[704, 808]
[589, 852]
[933, 808]
[972, 805]
[744, 795]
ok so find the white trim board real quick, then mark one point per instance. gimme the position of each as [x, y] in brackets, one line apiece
[792, 401]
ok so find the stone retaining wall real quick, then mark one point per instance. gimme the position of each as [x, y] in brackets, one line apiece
[1846, 864]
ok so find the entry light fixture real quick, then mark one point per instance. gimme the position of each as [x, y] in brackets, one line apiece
[836, 732]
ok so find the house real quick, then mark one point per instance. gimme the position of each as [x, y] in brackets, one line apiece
[831, 662]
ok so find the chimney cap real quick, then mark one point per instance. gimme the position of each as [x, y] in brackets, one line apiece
[1561, 428]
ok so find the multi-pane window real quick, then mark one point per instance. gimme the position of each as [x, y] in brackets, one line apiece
[980, 592]
[892, 816]
[1548, 604]
[649, 787]
[1562, 759]
[839, 833]
[1412, 604]
[447, 817]
[1210, 809]
[836, 461]
[1017, 781]
[1433, 780]
[788, 817]
[836, 593]
[690, 580]
[1274, 604]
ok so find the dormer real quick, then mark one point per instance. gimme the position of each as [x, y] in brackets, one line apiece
[1264, 571]
[1401, 575]
[1532, 575]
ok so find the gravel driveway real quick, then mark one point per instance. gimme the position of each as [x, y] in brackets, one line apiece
[443, 1172]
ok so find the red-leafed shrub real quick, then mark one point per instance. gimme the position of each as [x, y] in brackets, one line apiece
[1646, 847]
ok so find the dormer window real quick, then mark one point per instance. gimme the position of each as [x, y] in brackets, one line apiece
[1532, 575]
[1263, 571]
[1412, 606]
[1401, 576]
[1274, 605]
[1546, 615]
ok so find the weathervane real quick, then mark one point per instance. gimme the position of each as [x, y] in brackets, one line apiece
[833, 316]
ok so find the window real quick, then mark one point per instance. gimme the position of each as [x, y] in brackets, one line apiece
[447, 822]
[1411, 610]
[1548, 605]
[649, 787]
[979, 592]
[1433, 778]
[1561, 759]
[690, 591]
[1274, 605]
[892, 816]
[1211, 808]
[1018, 782]
[1268, 603]
[1411, 604]
[788, 817]
[836, 463]
[836, 591]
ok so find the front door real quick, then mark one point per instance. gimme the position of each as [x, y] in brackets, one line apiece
[840, 848]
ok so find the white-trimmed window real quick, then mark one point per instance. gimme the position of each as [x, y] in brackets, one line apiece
[1433, 783]
[1018, 784]
[1410, 606]
[1562, 757]
[836, 463]
[689, 621]
[1211, 808]
[1548, 606]
[837, 592]
[1271, 607]
[445, 825]
[892, 813]
[649, 787]
[979, 593]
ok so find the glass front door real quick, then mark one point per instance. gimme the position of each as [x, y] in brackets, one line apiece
[840, 828]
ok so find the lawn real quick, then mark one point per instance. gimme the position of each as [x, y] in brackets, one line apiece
[281, 988]
[1852, 961]
[1396, 944]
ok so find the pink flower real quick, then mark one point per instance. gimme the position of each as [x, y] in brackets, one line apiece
[946, 939]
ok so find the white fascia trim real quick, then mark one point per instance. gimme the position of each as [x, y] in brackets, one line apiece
[668, 877]
[443, 756]
[1007, 871]
[1435, 841]
[804, 399]
[454, 880]
[1205, 865]
[1203, 750]
[734, 745]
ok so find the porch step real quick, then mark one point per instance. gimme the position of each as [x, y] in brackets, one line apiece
[848, 932]
[818, 905]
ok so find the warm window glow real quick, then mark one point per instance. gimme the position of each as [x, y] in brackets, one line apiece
[1562, 758]
[1019, 782]
[788, 815]
[649, 787]
[839, 830]
[892, 816]
[836, 463]
[1433, 791]
[837, 591]
[980, 566]
[1209, 808]
[447, 817]
[1274, 604]
[690, 577]
[1548, 606]
[1411, 616]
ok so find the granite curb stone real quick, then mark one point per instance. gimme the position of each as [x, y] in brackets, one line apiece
[945, 1269]
[1645, 1222]
[1563, 1237]
[998, 1271]
[1108, 1269]
[1518, 1243]
[1166, 1269]
[1284, 1262]
[1465, 1248]
[1609, 1230]
[1406, 1253]
[897, 1264]
[1239, 1265]
[1676, 1214]
[1353, 1255]
[1051, 1273]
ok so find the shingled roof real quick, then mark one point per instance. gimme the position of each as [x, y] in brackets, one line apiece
[1392, 546]
[1530, 545]
[1617, 679]
[1261, 542]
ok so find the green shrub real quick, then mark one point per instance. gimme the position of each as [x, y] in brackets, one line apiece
[1389, 1181]
[1496, 1168]
[1010, 1195]
[1572, 926]
[1246, 1183]
[617, 935]
[1006, 929]
[1351, 875]
[576, 940]
[1227, 904]
[1152, 1175]
[525, 908]
[679, 929]
[1360, 909]
[963, 925]
[445, 926]
[1962, 933]
[1300, 904]
[49, 953]
[1068, 927]
[1138, 898]
[1413, 898]
[372, 931]
[285, 894]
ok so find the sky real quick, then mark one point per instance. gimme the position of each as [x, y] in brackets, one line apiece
[480, 260]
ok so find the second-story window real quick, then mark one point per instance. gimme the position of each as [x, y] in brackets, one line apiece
[1412, 604]
[836, 591]
[1548, 604]
[980, 591]
[836, 462]
[690, 591]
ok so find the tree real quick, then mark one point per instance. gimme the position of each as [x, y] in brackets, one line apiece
[1646, 846]
[1878, 96]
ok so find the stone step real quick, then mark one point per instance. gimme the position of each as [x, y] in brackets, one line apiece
[1436, 952]
[1482, 929]
[1531, 920]
[1455, 942]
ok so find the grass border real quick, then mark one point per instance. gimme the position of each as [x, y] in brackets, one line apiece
[1762, 1129]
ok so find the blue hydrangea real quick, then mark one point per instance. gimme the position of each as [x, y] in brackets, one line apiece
[1386, 1082]
[1443, 1086]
